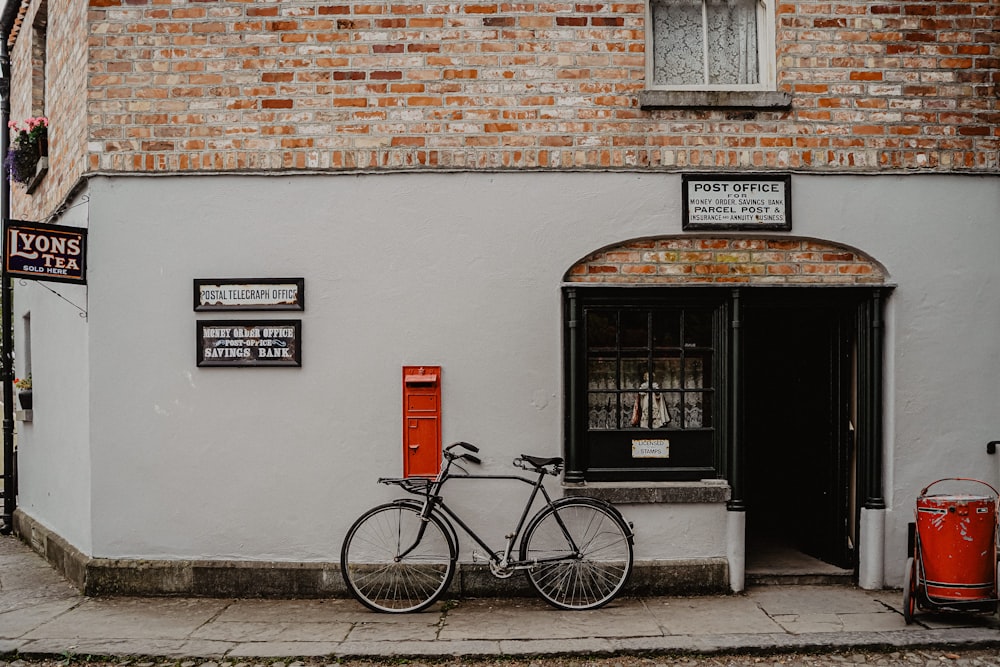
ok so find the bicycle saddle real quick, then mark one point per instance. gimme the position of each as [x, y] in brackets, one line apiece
[540, 462]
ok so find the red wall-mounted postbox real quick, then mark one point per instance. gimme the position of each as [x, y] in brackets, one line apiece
[421, 421]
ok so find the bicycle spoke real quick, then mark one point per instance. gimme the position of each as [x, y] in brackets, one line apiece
[589, 575]
[393, 561]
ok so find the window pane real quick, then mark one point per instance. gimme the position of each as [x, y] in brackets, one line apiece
[635, 329]
[601, 373]
[666, 328]
[602, 409]
[635, 371]
[697, 410]
[677, 42]
[698, 372]
[673, 401]
[667, 371]
[600, 329]
[732, 41]
[697, 328]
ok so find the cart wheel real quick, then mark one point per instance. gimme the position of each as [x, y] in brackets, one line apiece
[909, 591]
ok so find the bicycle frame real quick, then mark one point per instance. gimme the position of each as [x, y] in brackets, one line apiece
[433, 501]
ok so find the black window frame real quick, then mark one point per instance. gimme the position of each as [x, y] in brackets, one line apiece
[696, 453]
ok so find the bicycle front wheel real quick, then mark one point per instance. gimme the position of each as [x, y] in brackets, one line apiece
[582, 554]
[394, 561]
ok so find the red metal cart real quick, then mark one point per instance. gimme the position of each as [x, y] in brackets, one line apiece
[954, 562]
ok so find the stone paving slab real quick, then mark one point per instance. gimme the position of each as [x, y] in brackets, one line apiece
[275, 631]
[41, 615]
[711, 615]
[130, 618]
[164, 648]
[529, 619]
[19, 620]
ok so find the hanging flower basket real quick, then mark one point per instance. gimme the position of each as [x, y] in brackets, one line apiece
[28, 145]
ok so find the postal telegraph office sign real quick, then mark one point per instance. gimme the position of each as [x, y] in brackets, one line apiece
[39, 251]
[726, 202]
[249, 294]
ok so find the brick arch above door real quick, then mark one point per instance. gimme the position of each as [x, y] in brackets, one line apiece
[728, 261]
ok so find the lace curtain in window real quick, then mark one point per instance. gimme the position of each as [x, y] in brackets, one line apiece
[704, 42]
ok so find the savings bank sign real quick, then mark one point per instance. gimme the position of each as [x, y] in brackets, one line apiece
[37, 251]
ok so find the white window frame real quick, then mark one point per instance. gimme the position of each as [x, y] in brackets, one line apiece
[766, 54]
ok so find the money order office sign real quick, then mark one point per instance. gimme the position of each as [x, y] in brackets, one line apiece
[39, 251]
[737, 202]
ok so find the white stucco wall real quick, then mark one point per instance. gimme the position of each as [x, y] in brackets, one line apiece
[461, 270]
[54, 448]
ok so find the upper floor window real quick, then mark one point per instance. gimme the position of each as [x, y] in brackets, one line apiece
[710, 45]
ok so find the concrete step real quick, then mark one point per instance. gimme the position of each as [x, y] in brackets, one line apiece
[844, 578]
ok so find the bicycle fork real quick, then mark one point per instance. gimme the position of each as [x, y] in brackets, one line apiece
[425, 518]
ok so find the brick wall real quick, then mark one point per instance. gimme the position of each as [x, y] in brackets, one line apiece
[758, 261]
[228, 85]
[477, 84]
[64, 99]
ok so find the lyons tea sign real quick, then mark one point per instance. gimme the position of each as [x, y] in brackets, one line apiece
[37, 251]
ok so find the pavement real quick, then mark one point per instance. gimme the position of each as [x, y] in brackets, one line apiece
[41, 615]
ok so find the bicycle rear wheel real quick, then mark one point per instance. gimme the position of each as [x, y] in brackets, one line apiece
[393, 561]
[593, 573]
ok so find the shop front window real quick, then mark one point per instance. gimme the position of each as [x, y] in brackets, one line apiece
[648, 377]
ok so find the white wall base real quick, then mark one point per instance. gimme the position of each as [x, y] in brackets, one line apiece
[871, 557]
[736, 549]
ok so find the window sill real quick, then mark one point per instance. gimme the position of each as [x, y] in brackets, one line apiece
[626, 493]
[723, 99]
[40, 170]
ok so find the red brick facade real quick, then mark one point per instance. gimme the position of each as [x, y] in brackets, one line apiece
[758, 261]
[63, 69]
[234, 85]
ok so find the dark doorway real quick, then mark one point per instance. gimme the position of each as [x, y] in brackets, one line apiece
[797, 397]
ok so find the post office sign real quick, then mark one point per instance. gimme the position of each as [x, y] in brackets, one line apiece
[738, 201]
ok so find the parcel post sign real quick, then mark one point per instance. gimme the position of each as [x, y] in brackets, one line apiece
[39, 251]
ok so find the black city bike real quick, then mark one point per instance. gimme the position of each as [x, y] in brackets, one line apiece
[400, 556]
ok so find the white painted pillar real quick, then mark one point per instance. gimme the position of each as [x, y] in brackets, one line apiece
[871, 557]
[736, 549]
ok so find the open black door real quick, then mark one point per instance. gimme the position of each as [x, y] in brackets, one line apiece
[797, 432]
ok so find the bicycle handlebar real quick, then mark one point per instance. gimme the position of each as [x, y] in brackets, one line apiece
[465, 456]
